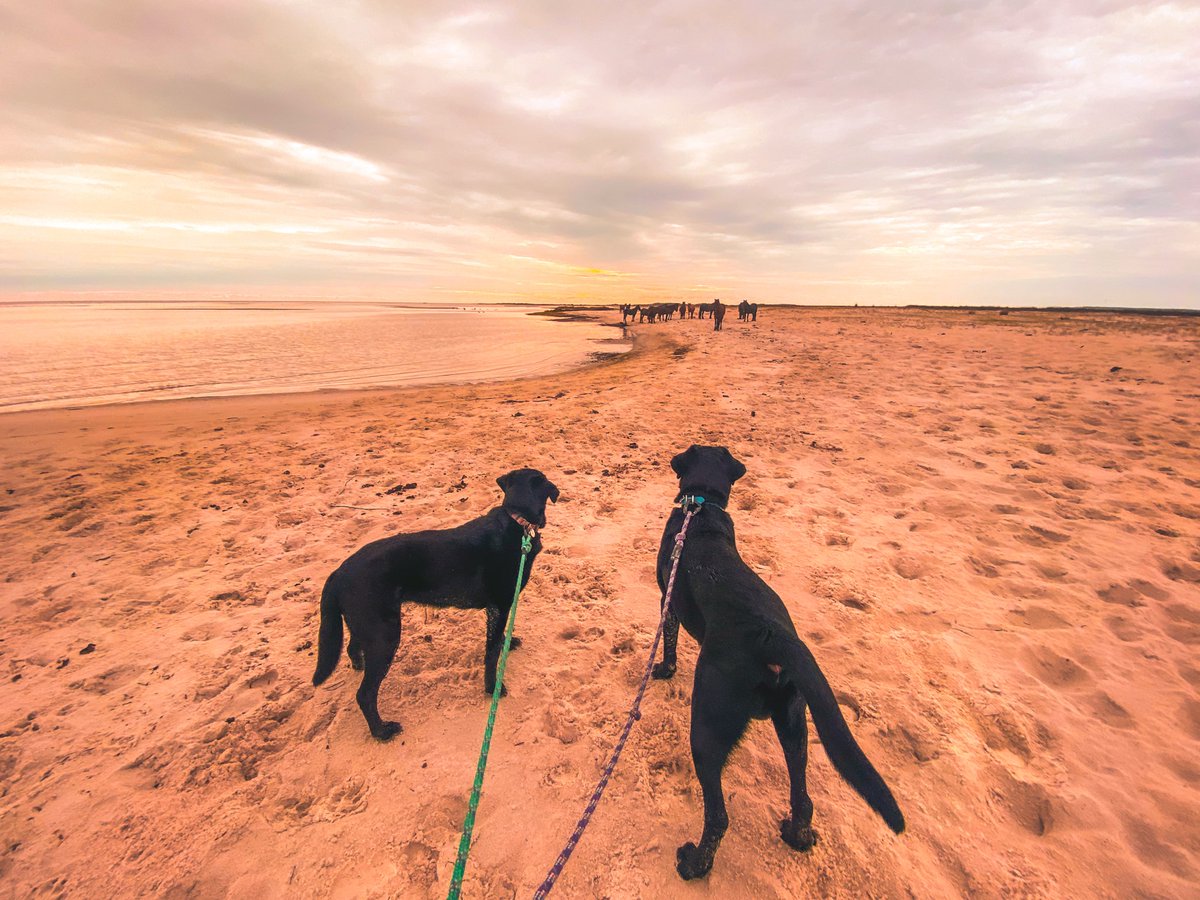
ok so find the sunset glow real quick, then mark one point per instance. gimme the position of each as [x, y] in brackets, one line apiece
[1022, 154]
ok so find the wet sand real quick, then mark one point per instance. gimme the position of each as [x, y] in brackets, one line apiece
[987, 527]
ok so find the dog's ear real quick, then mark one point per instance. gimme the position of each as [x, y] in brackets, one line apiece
[733, 466]
[684, 460]
[504, 481]
[553, 491]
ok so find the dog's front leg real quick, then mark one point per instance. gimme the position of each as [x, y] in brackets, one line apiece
[666, 668]
[496, 622]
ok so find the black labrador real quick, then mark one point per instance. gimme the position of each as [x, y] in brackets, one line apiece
[752, 664]
[473, 566]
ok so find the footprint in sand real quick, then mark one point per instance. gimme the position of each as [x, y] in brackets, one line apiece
[1052, 669]
[1189, 717]
[263, 679]
[346, 799]
[1145, 838]
[559, 723]
[1051, 571]
[851, 601]
[1180, 570]
[1110, 712]
[1038, 617]
[912, 567]
[309, 802]
[1029, 804]
[1184, 623]
[1037, 536]
[922, 743]
[983, 566]
[1124, 629]
[1132, 594]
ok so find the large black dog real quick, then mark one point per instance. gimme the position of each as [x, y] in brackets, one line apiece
[752, 664]
[473, 566]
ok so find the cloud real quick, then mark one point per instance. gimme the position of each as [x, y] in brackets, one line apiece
[840, 153]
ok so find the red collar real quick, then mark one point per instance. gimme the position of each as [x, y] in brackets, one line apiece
[530, 528]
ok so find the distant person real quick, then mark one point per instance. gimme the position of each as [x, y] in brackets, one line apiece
[718, 314]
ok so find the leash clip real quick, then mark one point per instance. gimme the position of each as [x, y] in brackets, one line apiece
[691, 504]
[529, 531]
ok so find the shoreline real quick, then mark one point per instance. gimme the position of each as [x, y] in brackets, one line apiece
[593, 358]
[592, 314]
[244, 405]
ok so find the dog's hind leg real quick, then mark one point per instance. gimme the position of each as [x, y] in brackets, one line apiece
[721, 710]
[378, 651]
[791, 726]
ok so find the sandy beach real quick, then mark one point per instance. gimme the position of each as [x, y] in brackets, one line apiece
[986, 526]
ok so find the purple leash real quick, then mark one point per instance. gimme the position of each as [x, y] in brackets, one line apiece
[692, 506]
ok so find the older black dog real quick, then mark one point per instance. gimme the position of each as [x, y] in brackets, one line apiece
[752, 664]
[473, 566]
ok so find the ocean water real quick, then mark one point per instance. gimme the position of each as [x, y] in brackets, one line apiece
[87, 354]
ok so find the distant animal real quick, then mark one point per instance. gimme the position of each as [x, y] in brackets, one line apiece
[752, 664]
[743, 310]
[718, 309]
[754, 312]
[473, 566]
[628, 310]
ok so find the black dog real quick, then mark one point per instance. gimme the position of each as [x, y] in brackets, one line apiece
[752, 664]
[473, 566]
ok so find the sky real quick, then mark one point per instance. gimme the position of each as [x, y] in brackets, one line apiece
[1039, 153]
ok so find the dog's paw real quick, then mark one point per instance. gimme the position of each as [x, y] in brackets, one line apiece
[691, 863]
[798, 837]
[491, 690]
[356, 664]
[515, 643]
[387, 731]
[662, 671]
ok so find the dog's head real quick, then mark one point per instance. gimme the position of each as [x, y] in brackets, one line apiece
[707, 471]
[526, 492]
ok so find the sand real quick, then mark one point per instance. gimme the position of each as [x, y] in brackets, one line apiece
[986, 526]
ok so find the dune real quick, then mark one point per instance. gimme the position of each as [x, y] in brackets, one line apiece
[986, 526]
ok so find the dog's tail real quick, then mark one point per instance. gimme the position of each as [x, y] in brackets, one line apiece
[329, 644]
[843, 751]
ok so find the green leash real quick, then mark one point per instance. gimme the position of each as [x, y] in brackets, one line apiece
[464, 845]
